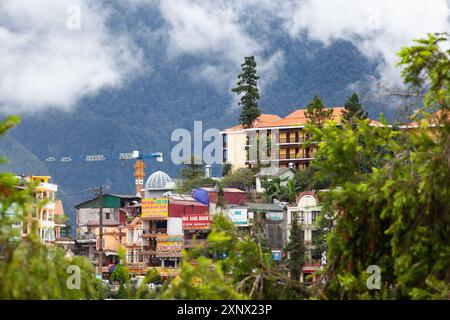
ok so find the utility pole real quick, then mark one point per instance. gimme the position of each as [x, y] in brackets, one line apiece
[99, 193]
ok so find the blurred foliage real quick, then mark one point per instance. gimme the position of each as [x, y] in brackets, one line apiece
[28, 268]
[232, 266]
[390, 192]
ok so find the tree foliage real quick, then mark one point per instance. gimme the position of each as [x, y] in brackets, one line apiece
[316, 113]
[28, 268]
[295, 249]
[353, 109]
[390, 192]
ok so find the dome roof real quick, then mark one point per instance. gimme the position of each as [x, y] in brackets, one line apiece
[158, 180]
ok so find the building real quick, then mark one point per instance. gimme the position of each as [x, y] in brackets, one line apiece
[196, 220]
[282, 173]
[235, 141]
[134, 247]
[115, 209]
[162, 236]
[292, 141]
[306, 210]
[208, 196]
[158, 185]
[46, 214]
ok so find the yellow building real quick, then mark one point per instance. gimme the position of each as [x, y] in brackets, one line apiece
[47, 212]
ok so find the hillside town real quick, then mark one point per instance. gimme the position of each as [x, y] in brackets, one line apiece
[290, 201]
[157, 223]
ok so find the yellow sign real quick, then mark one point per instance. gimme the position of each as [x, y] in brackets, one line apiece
[155, 208]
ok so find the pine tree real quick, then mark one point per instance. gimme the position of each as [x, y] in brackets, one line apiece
[296, 249]
[247, 88]
[353, 109]
[316, 112]
[221, 203]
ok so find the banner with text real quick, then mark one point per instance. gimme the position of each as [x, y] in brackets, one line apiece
[155, 208]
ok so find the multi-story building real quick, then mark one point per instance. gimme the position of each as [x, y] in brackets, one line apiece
[115, 210]
[46, 215]
[306, 210]
[293, 144]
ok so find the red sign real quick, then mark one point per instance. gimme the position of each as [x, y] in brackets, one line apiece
[196, 221]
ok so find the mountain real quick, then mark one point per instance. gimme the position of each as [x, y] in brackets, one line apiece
[142, 114]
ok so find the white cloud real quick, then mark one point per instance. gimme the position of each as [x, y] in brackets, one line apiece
[216, 30]
[378, 28]
[45, 64]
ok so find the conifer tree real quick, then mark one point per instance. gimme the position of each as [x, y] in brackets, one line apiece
[316, 112]
[247, 88]
[296, 249]
[353, 109]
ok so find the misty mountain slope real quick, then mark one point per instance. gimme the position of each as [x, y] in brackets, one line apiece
[142, 114]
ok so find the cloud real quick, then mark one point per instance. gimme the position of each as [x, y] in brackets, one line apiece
[217, 31]
[378, 28]
[45, 61]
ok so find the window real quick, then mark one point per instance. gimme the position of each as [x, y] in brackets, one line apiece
[314, 216]
[108, 215]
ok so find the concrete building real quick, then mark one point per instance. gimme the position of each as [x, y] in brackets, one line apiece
[235, 142]
[115, 212]
[307, 208]
[293, 143]
[47, 213]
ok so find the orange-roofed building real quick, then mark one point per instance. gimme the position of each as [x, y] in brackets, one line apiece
[234, 141]
[293, 148]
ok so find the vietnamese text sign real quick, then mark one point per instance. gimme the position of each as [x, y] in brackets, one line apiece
[274, 216]
[238, 216]
[169, 246]
[155, 208]
[196, 221]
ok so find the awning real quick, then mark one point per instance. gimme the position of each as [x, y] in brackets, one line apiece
[111, 253]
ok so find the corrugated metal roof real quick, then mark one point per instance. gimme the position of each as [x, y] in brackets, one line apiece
[263, 206]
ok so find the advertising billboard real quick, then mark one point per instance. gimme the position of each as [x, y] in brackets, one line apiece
[169, 246]
[238, 216]
[196, 221]
[155, 208]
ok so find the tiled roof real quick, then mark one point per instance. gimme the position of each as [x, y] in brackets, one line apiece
[295, 118]
[262, 120]
[298, 118]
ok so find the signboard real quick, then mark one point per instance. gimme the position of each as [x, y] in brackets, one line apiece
[169, 246]
[238, 216]
[155, 208]
[196, 221]
[274, 216]
[276, 255]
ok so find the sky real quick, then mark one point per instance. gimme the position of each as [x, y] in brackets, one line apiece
[53, 53]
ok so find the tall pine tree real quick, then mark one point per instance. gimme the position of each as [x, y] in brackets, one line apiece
[316, 112]
[296, 249]
[353, 110]
[247, 88]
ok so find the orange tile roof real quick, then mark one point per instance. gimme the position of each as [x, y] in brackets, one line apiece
[434, 119]
[262, 120]
[298, 118]
[295, 118]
